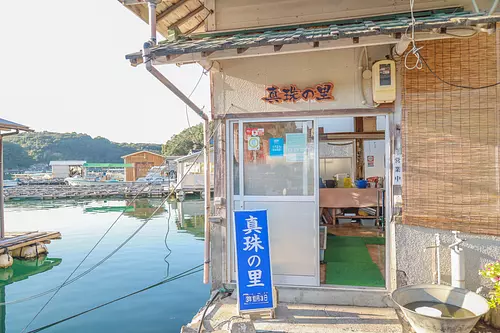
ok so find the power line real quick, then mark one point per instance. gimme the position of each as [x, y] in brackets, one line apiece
[188, 272]
[128, 239]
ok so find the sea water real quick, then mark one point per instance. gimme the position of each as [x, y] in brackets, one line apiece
[440, 309]
[145, 260]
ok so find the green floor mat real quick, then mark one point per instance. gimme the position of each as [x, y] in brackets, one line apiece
[354, 274]
[346, 249]
[348, 261]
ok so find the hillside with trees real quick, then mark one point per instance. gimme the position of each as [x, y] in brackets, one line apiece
[27, 149]
[23, 150]
[183, 143]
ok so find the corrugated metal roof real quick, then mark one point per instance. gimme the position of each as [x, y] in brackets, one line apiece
[381, 25]
[7, 125]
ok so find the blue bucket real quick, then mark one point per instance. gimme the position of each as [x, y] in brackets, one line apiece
[361, 183]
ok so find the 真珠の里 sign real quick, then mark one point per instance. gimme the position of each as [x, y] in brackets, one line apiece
[292, 94]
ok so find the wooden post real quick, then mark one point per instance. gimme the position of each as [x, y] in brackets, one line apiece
[360, 160]
[2, 219]
[206, 264]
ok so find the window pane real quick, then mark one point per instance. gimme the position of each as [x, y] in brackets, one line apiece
[279, 158]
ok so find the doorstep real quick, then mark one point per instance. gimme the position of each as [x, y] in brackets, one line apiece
[295, 318]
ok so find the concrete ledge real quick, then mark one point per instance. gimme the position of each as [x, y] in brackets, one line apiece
[334, 296]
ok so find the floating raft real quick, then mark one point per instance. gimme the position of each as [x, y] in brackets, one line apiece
[51, 192]
[17, 240]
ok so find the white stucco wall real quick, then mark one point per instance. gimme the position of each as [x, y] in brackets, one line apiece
[60, 171]
[241, 84]
[414, 265]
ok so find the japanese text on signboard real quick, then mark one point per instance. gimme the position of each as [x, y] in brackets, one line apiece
[291, 94]
[398, 169]
[253, 260]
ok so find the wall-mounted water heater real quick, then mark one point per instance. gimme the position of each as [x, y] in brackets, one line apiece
[384, 81]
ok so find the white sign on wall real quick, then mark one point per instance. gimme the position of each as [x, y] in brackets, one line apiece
[397, 169]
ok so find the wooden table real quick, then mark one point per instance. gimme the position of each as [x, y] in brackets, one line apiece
[335, 198]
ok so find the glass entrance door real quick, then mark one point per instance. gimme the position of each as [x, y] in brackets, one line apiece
[273, 166]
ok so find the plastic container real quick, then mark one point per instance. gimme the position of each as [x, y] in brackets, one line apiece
[361, 183]
[368, 222]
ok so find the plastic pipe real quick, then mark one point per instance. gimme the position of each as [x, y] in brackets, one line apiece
[457, 262]
[146, 56]
[493, 7]
[438, 259]
[152, 20]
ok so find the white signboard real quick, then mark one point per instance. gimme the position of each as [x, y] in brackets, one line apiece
[254, 143]
[397, 169]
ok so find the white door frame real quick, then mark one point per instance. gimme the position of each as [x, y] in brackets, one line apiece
[231, 198]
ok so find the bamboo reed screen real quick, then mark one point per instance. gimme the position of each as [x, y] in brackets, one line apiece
[451, 137]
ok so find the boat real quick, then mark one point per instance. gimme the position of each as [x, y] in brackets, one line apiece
[10, 183]
[79, 181]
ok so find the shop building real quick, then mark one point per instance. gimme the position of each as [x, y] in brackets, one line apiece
[304, 110]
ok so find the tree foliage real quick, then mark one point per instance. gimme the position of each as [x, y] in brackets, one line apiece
[23, 150]
[15, 157]
[183, 143]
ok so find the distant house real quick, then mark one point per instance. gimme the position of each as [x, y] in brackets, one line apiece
[142, 162]
[64, 169]
[190, 174]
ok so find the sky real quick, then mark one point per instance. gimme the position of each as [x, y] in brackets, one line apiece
[63, 69]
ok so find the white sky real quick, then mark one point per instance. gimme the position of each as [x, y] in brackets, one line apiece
[63, 69]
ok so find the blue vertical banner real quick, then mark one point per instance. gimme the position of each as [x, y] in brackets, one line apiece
[253, 261]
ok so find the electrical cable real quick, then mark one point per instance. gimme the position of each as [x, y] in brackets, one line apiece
[67, 282]
[206, 309]
[188, 272]
[420, 60]
[57, 289]
[128, 239]
[453, 84]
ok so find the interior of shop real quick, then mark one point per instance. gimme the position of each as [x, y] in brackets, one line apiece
[351, 181]
[282, 169]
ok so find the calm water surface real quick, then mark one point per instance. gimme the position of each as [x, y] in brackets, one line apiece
[137, 265]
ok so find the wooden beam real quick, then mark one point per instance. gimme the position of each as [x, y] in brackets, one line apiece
[240, 50]
[170, 9]
[205, 54]
[268, 50]
[307, 113]
[187, 17]
[278, 47]
[353, 135]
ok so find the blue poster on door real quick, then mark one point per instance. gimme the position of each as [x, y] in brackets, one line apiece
[253, 261]
[276, 147]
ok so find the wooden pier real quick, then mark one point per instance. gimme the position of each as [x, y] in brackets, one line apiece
[17, 240]
[51, 192]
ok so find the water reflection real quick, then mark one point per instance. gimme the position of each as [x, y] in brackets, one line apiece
[191, 218]
[22, 270]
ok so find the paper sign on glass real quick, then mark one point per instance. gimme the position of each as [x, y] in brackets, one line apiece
[276, 147]
[296, 147]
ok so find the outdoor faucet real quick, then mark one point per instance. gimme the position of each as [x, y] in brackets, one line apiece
[457, 262]
[458, 241]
